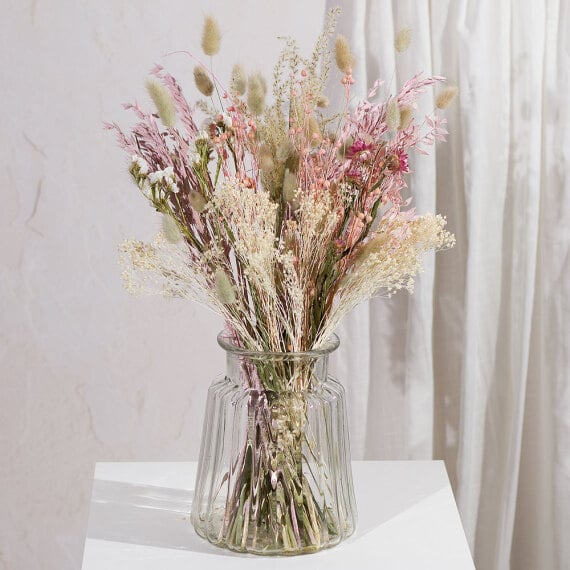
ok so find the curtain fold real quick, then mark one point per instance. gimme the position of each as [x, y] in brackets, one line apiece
[473, 368]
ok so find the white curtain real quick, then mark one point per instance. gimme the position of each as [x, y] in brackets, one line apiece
[473, 368]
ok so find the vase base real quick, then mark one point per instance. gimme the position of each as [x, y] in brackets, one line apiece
[268, 551]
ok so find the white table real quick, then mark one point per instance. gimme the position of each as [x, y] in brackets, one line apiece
[407, 519]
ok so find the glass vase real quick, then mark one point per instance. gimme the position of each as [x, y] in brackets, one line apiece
[274, 474]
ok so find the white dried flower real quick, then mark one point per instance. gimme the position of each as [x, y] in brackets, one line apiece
[155, 177]
[166, 177]
[140, 163]
[227, 120]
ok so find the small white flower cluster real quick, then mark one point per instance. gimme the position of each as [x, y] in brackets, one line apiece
[140, 164]
[227, 120]
[201, 138]
[165, 177]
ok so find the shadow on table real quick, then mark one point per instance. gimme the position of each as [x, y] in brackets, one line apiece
[144, 514]
[158, 516]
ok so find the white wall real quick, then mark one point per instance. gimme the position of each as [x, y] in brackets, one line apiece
[86, 372]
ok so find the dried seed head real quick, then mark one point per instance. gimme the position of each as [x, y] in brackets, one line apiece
[393, 115]
[342, 54]
[203, 81]
[266, 159]
[170, 229]
[406, 114]
[197, 201]
[290, 187]
[256, 89]
[344, 147]
[322, 101]
[210, 36]
[224, 288]
[162, 100]
[313, 131]
[375, 245]
[403, 39]
[238, 81]
[446, 97]
[284, 151]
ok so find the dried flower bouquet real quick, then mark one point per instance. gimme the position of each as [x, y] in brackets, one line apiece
[281, 217]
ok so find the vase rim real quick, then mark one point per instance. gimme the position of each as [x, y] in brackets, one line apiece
[331, 344]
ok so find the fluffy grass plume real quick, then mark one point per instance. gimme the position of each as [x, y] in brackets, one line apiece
[238, 81]
[162, 100]
[210, 36]
[403, 40]
[224, 289]
[446, 97]
[342, 54]
[406, 115]
[170, 229]
[256, 90]
[393, 115]
[203, 81]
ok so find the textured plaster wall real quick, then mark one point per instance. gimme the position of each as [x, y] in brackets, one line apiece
[86, 372]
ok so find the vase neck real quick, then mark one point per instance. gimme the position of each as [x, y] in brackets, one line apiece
[277, 372]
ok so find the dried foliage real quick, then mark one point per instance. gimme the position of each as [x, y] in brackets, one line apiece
[287, 217]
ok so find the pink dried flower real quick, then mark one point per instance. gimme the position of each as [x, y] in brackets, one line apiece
[397, 161]
[357, 147]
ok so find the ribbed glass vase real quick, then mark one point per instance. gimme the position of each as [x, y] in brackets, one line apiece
[274, 474]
